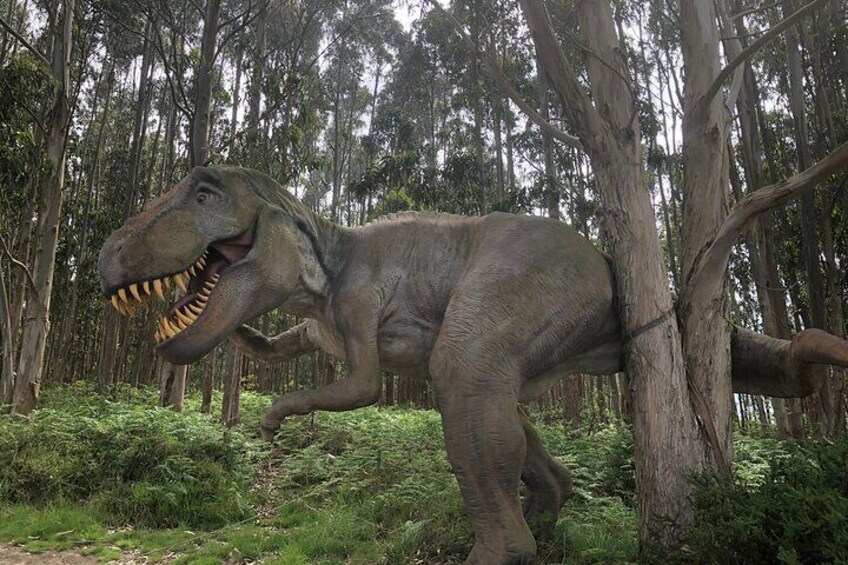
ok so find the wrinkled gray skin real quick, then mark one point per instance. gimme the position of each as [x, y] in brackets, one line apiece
[492, 310]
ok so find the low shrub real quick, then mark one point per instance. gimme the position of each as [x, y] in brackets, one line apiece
[137, 464]
[798, 513]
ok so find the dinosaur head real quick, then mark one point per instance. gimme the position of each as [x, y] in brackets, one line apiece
[215, 248]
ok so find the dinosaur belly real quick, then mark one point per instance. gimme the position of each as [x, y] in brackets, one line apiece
[406, 350]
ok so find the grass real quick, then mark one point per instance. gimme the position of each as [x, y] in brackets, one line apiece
[108, 476]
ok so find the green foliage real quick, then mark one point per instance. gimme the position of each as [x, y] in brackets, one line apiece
[601, 461]
[24, 88]
[797, 514]
[369, 475]
[367, 486]
[602, 530]
[56, 526]
[135, 464]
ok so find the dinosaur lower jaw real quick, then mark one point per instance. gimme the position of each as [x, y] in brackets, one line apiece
[195, 284]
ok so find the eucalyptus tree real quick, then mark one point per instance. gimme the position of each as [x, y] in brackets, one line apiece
[36, 327]
[683, 366]
[24, 90]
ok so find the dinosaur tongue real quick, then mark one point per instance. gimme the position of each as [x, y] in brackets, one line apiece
[236, 248]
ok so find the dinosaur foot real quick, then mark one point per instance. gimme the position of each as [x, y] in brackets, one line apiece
[544, 499]
[268, 431]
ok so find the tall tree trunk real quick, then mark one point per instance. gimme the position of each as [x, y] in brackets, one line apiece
[668, 446]
[572, 401]
[835, 278]
[497, 110]
[230, 413]
[236, 89]
[809, 238]
[89, 202]
[172, 382]
[7, 371]
[139, 127]
[254, 94]
[476, 90]
[200, 119]
[207, 384]
[551, 191]
[37, 325]
[704, 308]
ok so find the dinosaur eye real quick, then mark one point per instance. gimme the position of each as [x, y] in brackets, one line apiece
[206, 195]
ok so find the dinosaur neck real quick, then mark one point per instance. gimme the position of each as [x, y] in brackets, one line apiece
[322, 245]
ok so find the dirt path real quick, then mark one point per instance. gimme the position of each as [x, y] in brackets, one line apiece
[11, 555]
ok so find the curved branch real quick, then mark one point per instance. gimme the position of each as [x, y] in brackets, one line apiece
[713, 263]
[576, 103]
[497, 74]
[20, 265]
[755, 46]
[5, 25]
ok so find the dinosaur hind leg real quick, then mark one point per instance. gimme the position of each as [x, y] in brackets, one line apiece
[486, 443]
[548, 483]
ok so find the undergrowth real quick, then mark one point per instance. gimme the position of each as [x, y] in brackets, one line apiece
[110, 475]
[793, 508]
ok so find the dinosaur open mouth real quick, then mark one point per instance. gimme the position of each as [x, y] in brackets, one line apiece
[196, 283]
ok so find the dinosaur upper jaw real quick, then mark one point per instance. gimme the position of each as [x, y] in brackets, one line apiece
[197, 284]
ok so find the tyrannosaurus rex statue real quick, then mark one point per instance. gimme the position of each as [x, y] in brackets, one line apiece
[491, 309]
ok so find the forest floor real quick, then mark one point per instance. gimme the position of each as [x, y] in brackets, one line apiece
[90, 479]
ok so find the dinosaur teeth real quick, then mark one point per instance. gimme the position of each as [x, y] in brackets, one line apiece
[166, 328]
[178, 321]
[157, 286]
[183, 318]
[126, 299]
[134, 292]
